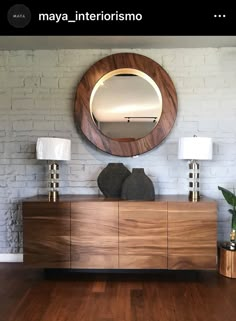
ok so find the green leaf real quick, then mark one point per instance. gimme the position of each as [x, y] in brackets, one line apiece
[233, 225]
[229, 196]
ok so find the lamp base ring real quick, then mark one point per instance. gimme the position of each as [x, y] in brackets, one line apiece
[194, 196]
[53, 196]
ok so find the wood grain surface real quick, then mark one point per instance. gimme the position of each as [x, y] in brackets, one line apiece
[192, 235]
[93, 232]
[94, 235]
[27, 295]
[227, 262]
[46, 228]
[143, 235]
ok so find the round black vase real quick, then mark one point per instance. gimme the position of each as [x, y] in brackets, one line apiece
[138, 186]
[111, 178]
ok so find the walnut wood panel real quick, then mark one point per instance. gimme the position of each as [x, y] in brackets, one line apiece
[149, 206]
[94, 261]
[82, 232]
[233, 264]
[143, 261]
[206, 206]
[47, 210]
[47, 235]
[113, 62]
[144, 245]
[191, 262]
[227, 262]
[192, 238]
[94, 233]
[192, 235]
[93, 244]
[143, 232]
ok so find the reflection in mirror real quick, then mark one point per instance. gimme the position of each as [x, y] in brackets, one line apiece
[126, 105]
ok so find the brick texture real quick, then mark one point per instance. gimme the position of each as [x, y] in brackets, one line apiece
[37, 90]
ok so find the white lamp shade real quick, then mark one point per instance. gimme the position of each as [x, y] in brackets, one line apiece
[195, 148]
[50, 148]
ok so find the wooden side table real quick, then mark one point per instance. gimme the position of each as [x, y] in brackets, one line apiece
[227, 261]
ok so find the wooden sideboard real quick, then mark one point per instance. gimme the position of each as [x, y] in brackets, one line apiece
[91, 232]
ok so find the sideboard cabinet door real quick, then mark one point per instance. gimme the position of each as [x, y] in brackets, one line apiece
[46, 237]
[94, 234]
[192, 235]
[142, 235]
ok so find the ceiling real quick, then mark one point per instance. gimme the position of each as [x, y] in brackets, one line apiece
[107, 42]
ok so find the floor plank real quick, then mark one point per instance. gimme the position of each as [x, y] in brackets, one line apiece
[30, 295]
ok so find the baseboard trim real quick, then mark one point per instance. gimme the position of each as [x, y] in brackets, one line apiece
[9, 257]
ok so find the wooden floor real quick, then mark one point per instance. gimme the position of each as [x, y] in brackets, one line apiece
[29, 295]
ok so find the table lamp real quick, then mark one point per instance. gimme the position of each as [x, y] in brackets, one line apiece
[53, 149]
[194, 148]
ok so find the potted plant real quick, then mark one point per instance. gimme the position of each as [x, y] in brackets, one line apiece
[231, 200]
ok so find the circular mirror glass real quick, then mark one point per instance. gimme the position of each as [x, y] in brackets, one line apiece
[126, 104]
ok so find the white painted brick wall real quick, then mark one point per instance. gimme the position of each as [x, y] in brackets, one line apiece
[37, 90]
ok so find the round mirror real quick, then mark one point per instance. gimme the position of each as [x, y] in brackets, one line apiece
[126, 104]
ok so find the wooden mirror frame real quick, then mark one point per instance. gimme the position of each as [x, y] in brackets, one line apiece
[83, 117]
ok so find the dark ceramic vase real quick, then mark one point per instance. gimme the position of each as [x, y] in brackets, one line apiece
[138, 186]
[111, 178]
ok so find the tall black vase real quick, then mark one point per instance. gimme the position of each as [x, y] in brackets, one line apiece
[111, 178]
[138, 186]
